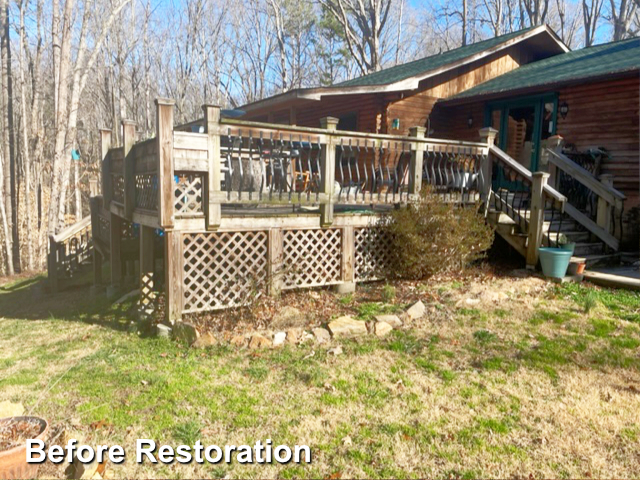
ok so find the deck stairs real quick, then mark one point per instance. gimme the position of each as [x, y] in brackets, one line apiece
[508, 214]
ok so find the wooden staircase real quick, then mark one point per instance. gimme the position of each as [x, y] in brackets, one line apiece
[530, 211]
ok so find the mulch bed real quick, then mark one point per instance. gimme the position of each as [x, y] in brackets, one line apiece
[14, 433]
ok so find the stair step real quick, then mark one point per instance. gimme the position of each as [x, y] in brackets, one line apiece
[583, 249]
[601, 259]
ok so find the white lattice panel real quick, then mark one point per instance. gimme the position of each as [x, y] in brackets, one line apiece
[312, 257]
[223, 269]
[188, 193]
[372, 252]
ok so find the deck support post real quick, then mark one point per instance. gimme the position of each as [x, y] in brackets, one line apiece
[173, 263]
[555, 143]
[328, 170]
[347, 269]
[115, 241]
[275, 261]
[164, 137]
[416, 162]
[147, 280]
[97, 286]
[536, 221]
[105, 145]
[213, 215]
[488, 136]
[52, 265]
[129, 167]
[603, 212]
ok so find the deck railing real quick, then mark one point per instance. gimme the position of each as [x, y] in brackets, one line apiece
[68, 250]
[186, 174]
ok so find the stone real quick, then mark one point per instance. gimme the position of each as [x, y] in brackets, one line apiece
[206, 340]
[185, 332]
[347, 327]
[322, 335]
[294, 335]
[279, 338]
[85, 471]
[415, 311]
[392, 320]
[238, 341]
[258, 341]
[288, 317]
[345, 288]
[335, 351]
[163, 331]
[307, 338]
[382, 329]
[10, 409]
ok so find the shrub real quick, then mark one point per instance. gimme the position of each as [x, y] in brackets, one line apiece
[388, 293]
[430, 237]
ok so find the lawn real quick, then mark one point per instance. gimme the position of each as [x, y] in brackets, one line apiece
[506, 376]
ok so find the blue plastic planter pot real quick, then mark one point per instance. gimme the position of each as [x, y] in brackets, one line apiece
[555, 261]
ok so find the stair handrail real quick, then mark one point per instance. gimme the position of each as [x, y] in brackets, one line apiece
[584, 176]
[525, 172]
[608, 197]
[71, 230]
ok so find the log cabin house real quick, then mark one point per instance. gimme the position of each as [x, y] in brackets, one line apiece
[217, 211]
[527, 85]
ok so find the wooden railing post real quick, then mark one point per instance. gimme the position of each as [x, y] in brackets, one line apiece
[93, 187]
[129, 167]
[173, 267]
[348, 284]
[487, 135]
[115, 258]
[275, 259]
[105, 145]
[213, 215]
[554, 143]
[164, 137]
[536, 221]
[328, 170]
[603, 212]
[417, 159]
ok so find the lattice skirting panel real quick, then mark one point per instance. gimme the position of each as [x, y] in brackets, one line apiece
[372, 254]
[312, 258]
[223, 269]
[228, 269]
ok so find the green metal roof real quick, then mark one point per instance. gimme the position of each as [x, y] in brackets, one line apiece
[411, 69]
[610, 58]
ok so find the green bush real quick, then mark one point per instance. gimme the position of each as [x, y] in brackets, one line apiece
[431, 237]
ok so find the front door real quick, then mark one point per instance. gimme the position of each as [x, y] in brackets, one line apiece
[523, 125]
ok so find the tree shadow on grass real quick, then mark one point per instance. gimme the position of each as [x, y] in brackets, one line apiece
[30, 299]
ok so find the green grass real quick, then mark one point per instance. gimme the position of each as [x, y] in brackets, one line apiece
[441, 400]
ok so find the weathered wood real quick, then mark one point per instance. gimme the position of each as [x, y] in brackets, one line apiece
[174, 260]
[488, 136]
[328, 171]
[603, 213]
[275, 259]
[213, 211]
[129, 172]
[52, 265]
[586, 178]
[536, 220]
[417, 159]
[348, 254]
[98, 259]
[115, 258]
[164, 137]
[105, 145]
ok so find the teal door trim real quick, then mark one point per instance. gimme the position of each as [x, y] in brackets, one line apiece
[535, 101]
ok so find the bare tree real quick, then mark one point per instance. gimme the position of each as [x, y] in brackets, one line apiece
[363, 22]
[621, 15]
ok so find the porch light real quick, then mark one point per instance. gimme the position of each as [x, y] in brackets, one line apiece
[470, 121]
[564, 109]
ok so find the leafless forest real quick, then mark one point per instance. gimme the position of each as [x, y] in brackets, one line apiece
[70, 67]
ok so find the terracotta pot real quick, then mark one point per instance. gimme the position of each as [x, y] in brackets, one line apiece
[580, 269]
[13, 463]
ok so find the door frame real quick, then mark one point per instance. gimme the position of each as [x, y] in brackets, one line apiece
[537, 102]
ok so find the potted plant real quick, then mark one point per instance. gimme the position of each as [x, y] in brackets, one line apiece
[555, 260]
[14, 433]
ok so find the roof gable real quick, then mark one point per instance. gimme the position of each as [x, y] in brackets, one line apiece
[596, 61]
